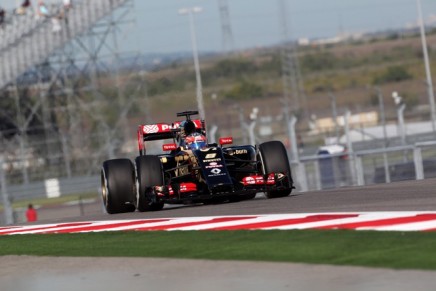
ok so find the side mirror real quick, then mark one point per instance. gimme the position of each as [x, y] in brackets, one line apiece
[226, 140]
[169, 147]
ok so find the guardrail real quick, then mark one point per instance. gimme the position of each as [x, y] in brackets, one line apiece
[364, 167]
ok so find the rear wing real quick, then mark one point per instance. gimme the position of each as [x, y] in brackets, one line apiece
[161, 131]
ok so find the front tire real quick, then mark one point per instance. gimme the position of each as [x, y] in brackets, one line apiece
[149, 173]
[274, 159]
[118, 186]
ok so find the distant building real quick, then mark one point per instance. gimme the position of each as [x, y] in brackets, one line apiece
[361, 119]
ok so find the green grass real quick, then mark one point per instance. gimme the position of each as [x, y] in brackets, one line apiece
[399, 250]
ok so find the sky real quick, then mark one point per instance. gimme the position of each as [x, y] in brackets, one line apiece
[257, 22]
[160, 29]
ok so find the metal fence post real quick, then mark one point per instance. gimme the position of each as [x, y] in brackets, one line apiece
[293, 137]
[251, 127]
[301, 171]
[66, 154]
[212, 133]
[317, 176]
[350, 147]
[23, 160]
[301, 178]
[417, 160]
[359, 171]
[386, 166]
[9, 215]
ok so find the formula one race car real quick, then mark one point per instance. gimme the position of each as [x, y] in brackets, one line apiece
[193, 171]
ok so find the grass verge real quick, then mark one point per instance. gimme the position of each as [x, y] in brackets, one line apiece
[399, 250]
[53, 201]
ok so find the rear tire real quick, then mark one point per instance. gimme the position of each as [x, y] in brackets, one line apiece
[118, 186]
[149, 173]
[274, 159]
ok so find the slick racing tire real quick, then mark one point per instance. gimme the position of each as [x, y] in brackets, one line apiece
[274, 159]
[118, 186]
[149, 173]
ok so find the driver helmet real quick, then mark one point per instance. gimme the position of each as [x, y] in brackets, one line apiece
[187, 127]
[195, 141]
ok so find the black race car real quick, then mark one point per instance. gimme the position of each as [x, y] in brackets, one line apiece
[193, 171]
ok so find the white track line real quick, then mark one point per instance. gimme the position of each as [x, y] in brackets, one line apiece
[364, 217]
[412, 226]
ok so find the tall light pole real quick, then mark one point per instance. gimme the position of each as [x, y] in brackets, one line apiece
[190, 12]
[427, 66]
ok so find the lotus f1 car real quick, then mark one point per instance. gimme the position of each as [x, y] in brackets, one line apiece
[192, 170]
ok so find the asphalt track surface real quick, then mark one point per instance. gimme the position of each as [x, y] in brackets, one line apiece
[399, 196]
[169, 274]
